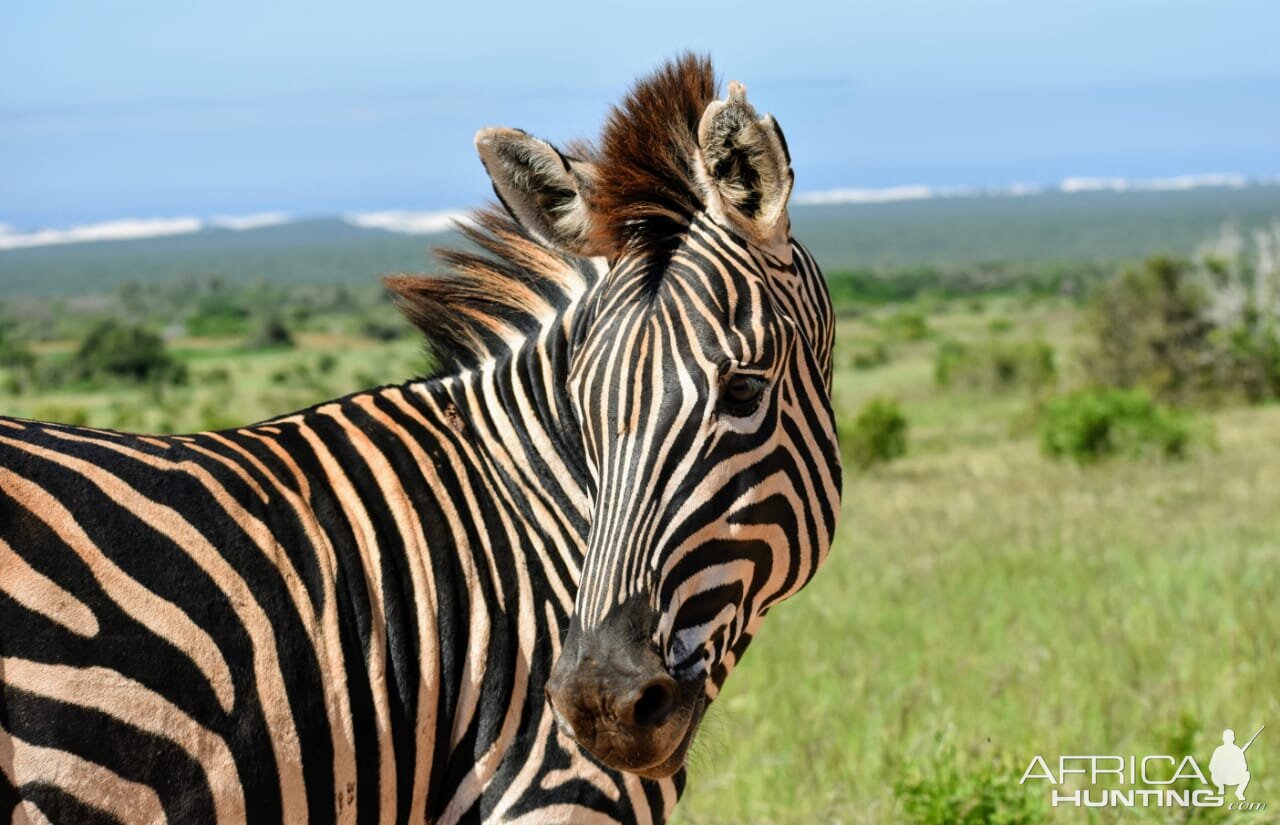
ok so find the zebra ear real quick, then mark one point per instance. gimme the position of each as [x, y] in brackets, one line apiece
[544, 190]
[746, 166]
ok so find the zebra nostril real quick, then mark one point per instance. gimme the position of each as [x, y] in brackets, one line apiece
[653, 704]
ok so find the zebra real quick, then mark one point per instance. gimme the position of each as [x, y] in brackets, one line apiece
[505, 592]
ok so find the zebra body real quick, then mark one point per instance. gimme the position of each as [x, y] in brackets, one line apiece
[356, 613]
[339, 616]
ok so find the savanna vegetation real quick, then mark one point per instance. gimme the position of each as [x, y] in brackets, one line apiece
[1060, 532]
[1077, 553]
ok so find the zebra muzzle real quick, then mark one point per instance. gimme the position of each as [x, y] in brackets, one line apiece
[611, 692]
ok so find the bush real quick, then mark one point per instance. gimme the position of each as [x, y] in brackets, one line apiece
[1253, 359]
[62, 414]
[1187, 332]
[878, 435]
[219, 315]
[948, 792]
[906, 326]
[995, 365]
[1152, 330]
[866, 358]
[1245, 296]
[214, 417]
[1091, 425]
[114, 350]
[215, 376]
[13, 353]
[270, 333]
[17, 362]
[383, 329]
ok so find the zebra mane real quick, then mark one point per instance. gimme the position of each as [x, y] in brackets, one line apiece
[648, 187]
[509, 285]
[492, 296]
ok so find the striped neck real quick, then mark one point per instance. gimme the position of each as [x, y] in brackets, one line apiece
[515, 412]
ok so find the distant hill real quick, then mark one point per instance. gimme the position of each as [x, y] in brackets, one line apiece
[1052, 226]
[326, 250]
[942, 231]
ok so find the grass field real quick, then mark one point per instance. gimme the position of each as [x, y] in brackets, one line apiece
[228, 385]
[982, 604]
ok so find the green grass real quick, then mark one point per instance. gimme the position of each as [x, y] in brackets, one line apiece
[982, 604]
[985, 602]
[230, 385]
[988, 598]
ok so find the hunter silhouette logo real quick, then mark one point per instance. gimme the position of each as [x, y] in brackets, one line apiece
[1228, 767]
[1155, 780]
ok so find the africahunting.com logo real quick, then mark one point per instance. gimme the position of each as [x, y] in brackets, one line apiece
[1156, 780]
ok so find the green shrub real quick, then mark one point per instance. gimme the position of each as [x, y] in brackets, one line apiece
[1094, 424]
[213, 416]
[948, 360]
[119, 351]
[219, 315]
[947, 791]
[62, 414]
[14, 354]
[270, 332]
[1151, 330]
[995, 365]
[878, 434]
[125, 415]
[216, 376]
[906, 326]
[17, 362]
[870, 357]
[1253, 358]
[380, 328]
[1185, 331]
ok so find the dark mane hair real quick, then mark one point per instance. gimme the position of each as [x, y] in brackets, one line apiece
[509, 285]
[505, 287]
[648, 185]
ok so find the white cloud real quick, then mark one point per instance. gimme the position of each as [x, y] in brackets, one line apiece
[1177, 183]
[411, 223]
[120, 230]
[1194, 181]
[912, 192]
[254, 221]
[889, 194]
[1020, 189]
[1071, 185]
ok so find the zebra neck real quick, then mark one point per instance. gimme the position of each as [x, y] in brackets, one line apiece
[513, 420]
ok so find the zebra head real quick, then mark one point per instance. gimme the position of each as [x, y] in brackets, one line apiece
[700, 374]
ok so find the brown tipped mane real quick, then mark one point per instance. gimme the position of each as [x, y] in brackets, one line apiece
[648, 185]
[509, 285]
[505, 288]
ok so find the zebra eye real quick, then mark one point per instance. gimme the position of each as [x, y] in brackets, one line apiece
[741, 394]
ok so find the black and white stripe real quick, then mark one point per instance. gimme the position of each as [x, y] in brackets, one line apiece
[349, 614]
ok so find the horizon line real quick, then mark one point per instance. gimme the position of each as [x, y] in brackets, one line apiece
[434, 222]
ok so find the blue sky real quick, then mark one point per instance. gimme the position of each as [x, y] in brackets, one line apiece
[133, 109]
